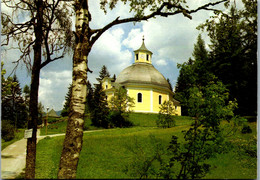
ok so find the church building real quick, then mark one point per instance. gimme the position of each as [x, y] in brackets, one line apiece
[144, 83]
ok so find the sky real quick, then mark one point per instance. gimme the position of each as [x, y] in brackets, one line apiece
[170, 39]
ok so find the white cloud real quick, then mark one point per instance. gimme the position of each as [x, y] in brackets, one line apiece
[133, 39]
[170, 39]
[161, 62]
[108, 51]
[53, 88]
[99, 19]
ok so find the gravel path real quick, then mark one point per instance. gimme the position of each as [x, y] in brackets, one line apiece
[13, 157]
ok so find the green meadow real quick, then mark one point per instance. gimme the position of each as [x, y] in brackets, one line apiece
[106, 153]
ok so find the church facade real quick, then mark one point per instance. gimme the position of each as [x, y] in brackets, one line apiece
[144, 83]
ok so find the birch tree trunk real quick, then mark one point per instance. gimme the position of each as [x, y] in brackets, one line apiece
[74, 133]
[33, 103]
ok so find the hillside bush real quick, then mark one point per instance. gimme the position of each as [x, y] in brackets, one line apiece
[7, 130]
[166, 115]
[117, 119]
[246, 129]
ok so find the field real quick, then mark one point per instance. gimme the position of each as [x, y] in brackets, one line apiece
[106, 154]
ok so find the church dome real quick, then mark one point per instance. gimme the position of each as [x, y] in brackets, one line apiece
[142, 73]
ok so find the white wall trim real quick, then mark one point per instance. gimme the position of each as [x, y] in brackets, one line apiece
[145, 111]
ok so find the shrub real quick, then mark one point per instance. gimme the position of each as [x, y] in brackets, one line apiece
[117, 119]
[165, 117]
[7, 131]
[246, 129]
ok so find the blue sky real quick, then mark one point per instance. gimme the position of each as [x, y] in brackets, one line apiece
[170, 39]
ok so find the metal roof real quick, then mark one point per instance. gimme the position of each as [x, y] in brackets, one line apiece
[143, 48]
[142, 73]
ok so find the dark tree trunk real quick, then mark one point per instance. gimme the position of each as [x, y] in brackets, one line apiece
[33, 103]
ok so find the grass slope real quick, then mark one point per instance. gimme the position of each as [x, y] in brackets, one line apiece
[106, 153]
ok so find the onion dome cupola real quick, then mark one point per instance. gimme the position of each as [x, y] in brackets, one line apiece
[143, 54]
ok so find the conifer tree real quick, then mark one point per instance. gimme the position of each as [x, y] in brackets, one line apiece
[103, 73]
[89, 99]
[100, 111]
[233, 55]
[192, 73]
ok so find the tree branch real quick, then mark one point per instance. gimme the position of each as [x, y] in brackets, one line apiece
[159, 12]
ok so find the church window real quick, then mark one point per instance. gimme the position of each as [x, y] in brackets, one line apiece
[139, 97]
[147, 57]
[136, 56]
[160, 99]
[106, 86]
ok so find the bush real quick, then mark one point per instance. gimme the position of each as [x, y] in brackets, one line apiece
[250, 118]
[118, 119]
[246, 129]
[7, 131]
[165, 116]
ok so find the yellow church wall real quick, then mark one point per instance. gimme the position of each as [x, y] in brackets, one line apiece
[106, 84]
[142, 58]
[143, 106]
[150, 99]
[178, 110]
[156, 105]
[176, 106]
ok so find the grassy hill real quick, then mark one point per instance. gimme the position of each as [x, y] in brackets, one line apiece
[106, 154]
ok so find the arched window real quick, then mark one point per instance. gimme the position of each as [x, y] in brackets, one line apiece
[147, 57]
[160, 99]
[139, 97]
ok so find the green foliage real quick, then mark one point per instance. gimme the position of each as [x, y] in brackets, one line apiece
[121, 102]
[202, 141]
[233, 55]
[103, 73]
[18, 134]
[13, 104]
[117, 119]
[144, 164]
[89, 98]
[100, 111]
[120, 106]
[166, 115]
[193, 73]
[246, 129]
[97, 104]
[232, 58]
[7, 130]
